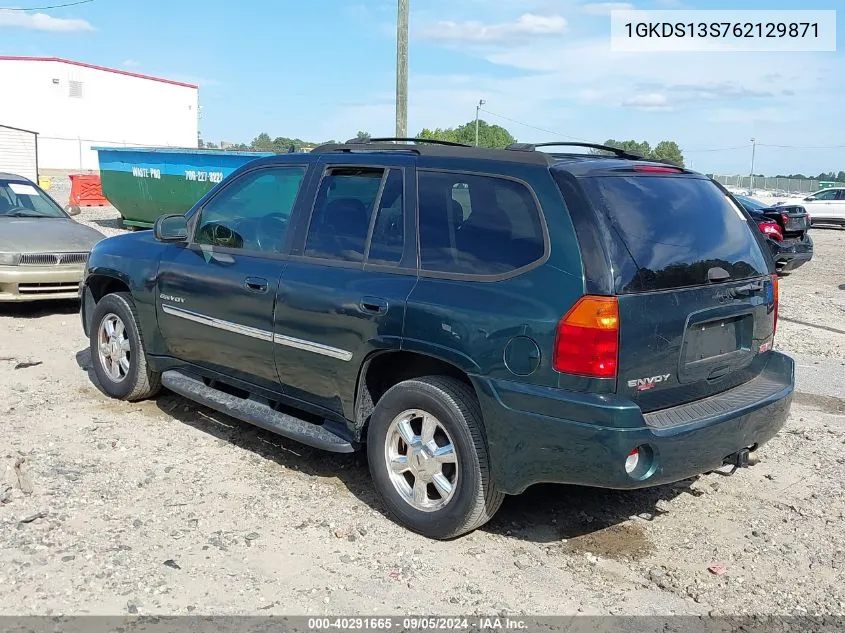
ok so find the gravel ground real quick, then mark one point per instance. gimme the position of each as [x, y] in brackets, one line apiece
[164, 507]
[812, 322]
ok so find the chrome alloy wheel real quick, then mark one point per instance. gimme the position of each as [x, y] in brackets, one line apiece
[421, 460]
[114, 348]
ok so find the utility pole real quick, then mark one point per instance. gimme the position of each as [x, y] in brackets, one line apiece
[753, 152]
[402, 70]
[481, 102]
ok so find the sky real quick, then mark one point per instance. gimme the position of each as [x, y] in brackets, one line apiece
[320, 69]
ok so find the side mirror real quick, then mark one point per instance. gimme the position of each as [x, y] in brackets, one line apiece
[809, 198]
[171, 228]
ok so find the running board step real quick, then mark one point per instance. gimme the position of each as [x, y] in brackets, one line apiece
[255, 412]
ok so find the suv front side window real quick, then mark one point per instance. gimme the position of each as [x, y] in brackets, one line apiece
[253, 212]
[475, 224]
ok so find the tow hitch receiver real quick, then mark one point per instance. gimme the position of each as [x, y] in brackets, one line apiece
[742, 458]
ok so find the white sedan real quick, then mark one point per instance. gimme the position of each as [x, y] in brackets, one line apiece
[825, 207]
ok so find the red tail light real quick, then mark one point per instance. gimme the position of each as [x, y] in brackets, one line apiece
[785, 218]
[587, 341]
[772, 230]
[777, 300]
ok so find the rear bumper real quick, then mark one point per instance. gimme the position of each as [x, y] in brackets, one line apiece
[790, 254]
[587, 441]
[32, 283]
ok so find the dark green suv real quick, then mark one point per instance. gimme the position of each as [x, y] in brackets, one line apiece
[480, 320]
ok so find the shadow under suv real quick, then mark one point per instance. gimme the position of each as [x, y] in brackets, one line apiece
[479, 320]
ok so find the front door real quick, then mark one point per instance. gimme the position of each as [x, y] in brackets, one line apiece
[342, 295]
[216, 295]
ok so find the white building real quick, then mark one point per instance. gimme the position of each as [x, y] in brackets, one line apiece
[73, 106]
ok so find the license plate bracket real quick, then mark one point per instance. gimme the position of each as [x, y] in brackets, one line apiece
[796, 224]
[715, 347]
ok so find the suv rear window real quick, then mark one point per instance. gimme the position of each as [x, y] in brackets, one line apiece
[675, 229]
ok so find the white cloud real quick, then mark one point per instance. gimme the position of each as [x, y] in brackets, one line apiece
[41, 22]
[604, 8]
[131, 63]
[576, 86]
[648, 101]
[527, 25]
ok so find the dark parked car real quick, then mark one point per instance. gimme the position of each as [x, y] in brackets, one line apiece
[786, 227]
[480, 320]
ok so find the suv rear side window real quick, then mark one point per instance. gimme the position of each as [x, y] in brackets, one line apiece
[388, 237]
[477, 225]
[676, 229]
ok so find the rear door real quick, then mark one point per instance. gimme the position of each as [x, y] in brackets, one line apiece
[838, 206]
[696, 300]
[342, 295]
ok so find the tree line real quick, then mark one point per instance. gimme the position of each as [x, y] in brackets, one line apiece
[264, 143]
[489, 135]
[664, 151]
[824, 176]
[496, 136]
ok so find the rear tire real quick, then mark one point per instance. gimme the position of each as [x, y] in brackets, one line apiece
[440, 492]
[117, 350]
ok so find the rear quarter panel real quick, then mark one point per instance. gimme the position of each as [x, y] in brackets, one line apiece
[470, 322]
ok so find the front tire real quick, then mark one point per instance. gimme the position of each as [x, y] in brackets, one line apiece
[427, 453]
[117, 351]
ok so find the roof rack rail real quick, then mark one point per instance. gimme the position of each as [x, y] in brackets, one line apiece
[530, 147]
[390, 139]
[434, 148]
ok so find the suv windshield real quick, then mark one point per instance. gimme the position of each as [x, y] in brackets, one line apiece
[21, 199]
[675, 229]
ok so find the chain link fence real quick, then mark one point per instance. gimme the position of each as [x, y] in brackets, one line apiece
[785, 185]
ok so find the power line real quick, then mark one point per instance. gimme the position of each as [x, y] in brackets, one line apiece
[534, 127]
[52, 6]
[736, 147]
[717, 149]
[802, 146]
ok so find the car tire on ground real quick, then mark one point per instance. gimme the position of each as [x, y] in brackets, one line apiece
[117, 351]
[427, 454]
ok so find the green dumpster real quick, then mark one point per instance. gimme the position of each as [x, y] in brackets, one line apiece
[146, 183]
